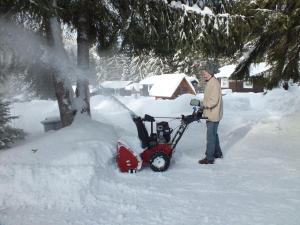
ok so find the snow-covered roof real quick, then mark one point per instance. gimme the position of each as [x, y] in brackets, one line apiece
[152, 79]
[165, 85]
[115, 84]
[225, 71]
[91, 87]
[191, 79]
[133, 86]
[255, 69]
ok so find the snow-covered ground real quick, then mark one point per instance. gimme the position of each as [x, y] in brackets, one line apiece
[70, 176]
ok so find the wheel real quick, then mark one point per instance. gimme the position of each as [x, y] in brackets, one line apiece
[159, 162]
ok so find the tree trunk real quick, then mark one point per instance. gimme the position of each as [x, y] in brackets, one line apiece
[63, 90]
[83, 46]
[83, 96]
[285, 85]
[64, 98]
[83, 43]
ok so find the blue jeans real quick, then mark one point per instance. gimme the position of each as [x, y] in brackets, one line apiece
[212, 140]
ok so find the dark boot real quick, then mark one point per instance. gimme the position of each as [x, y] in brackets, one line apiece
[206, 161]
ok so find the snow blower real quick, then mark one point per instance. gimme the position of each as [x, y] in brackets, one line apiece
[157, 147]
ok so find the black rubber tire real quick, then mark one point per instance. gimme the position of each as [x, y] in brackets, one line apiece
[159, 158]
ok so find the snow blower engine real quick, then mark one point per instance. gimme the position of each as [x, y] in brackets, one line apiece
[157, 147]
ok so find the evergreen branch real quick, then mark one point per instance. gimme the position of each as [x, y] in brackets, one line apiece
[259, 49]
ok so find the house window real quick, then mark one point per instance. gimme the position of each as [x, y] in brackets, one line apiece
[224, 82]
[247, 84]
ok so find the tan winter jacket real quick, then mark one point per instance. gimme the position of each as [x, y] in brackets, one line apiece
[212, 102]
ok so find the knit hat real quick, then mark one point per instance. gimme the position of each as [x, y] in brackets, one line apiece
[211, 67]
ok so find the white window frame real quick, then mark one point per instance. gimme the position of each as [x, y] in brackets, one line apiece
[224, 82]
[248, 84]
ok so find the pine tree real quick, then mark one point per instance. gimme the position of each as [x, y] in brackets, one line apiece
[182, 36]
[8, 135]
[276, 38]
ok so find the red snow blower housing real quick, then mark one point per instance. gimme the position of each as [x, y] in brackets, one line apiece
[157, 147]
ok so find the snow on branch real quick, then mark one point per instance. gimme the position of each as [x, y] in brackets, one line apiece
[111, 9]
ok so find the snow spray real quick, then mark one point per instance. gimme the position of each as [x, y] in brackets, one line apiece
[31, 48]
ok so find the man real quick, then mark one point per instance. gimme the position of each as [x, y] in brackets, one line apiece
[213, 110]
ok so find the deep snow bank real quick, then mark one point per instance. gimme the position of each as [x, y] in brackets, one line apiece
[56, 170]
[242, 111]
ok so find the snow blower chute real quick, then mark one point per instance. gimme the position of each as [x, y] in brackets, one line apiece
[157, 147]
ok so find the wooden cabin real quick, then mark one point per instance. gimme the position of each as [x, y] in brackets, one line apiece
[168, 86]
[255, 83]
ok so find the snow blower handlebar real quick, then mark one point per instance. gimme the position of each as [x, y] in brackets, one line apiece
[197, 113]
[185, 121]
[195, 116]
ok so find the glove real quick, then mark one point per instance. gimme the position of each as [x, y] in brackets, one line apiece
[202, 107]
